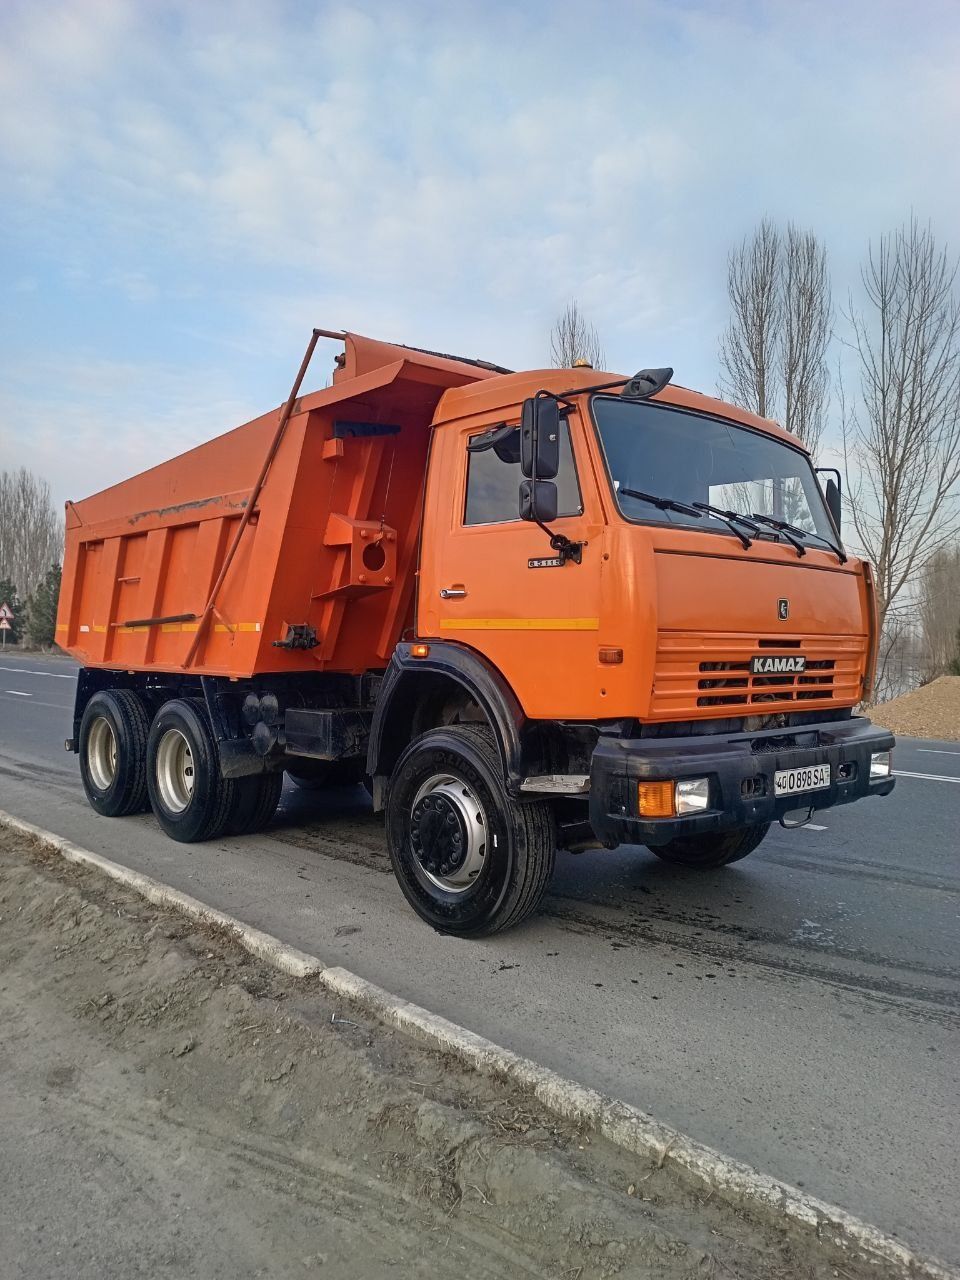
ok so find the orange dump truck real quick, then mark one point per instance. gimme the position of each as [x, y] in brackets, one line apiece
[541, 610]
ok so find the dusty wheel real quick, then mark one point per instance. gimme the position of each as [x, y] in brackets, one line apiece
[191, 799]
[255, 803]
[470, 859]
[320, 775]
[714, 849]
[113, 752]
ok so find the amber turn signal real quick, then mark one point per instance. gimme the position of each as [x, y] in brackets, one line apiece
[419, 650]
[655, 799]
[610, 656]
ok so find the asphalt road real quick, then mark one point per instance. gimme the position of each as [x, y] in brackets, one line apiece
[799, 1010]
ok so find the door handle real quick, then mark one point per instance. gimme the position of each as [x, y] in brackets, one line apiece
[452, 593]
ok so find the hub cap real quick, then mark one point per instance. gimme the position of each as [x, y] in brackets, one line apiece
[102, 753]
[448, 831]
[175, 771]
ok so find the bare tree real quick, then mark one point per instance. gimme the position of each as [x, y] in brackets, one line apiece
[574, 339]
[805, 336]
[749, 348]
[940, 612]
[902, 435]
[773, 354]
[31, 532]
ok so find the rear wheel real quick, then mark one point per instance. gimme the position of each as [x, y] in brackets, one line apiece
[470, 859]
[191, 799]
[255, 803]
[113, 752]
[713, 849]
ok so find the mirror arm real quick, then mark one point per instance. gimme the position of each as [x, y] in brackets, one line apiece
[565, 547]
[490, 439]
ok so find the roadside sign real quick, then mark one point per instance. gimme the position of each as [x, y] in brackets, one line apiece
[4, 624]
[6, 613]
[4, 628]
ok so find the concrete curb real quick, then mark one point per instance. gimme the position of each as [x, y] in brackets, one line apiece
[626, 1126]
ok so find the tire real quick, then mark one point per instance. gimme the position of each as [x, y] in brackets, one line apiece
[470, 859]
[715, 849]
[190, 798]
[113, 752]
[255, 803]
[320, 775]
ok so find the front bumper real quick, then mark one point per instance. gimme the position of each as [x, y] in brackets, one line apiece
[740, 767]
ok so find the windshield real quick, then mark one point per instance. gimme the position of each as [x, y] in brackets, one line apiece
[691, 457]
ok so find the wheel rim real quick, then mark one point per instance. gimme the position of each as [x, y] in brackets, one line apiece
[102, 753]
[175, 772]
[448, 832]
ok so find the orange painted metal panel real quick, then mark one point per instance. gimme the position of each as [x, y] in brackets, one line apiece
[331, 545]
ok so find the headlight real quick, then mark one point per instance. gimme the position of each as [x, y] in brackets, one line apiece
[881, 765]
[693, 795]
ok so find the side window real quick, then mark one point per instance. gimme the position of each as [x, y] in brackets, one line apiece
[493, 481]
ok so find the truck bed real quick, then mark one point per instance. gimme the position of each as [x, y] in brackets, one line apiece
[329, 553]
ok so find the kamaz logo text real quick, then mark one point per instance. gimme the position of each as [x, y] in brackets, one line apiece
[777, 666]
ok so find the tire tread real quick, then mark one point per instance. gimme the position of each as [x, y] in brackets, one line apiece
[534, 838]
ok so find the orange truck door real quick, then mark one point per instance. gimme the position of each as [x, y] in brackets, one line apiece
[480, 585]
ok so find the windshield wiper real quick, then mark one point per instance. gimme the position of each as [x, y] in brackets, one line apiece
[731, 519]
[786, 528]
[665, 504]
[697, 509]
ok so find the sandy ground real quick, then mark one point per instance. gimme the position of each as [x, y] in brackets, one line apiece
[171, 1108]
[930, 712]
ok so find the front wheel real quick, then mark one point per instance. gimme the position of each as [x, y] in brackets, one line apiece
[470, 859]
[713, 849]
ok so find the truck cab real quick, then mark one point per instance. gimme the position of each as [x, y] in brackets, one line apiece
[682, 644]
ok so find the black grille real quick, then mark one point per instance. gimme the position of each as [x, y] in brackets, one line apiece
[730, 684]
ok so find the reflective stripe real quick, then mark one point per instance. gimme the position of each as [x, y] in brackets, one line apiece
[520, 624]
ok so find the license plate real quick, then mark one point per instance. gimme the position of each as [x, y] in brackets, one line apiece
[812, 777]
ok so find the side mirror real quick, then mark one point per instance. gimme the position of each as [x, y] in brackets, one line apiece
[540, 438]
[646, 383]
[538, 500]
[831, 493]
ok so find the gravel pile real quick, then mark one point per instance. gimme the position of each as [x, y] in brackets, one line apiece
[930, 712]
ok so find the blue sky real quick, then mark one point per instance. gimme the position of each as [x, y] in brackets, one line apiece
[188, 187]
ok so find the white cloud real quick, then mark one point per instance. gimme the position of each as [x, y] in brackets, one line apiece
[197, 186]
[98, 421]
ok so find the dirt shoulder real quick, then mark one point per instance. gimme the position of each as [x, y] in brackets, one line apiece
[171, 1107]
[930, 712]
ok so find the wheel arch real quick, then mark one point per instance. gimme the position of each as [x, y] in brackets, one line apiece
[448, 670]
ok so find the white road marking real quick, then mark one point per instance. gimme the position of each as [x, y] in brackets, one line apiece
[16, 693]
[937, 751]
[53, 675]
[930, 777]
[812, 826]
[53, 706]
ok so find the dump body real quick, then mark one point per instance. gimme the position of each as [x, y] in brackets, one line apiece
[331, 545]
